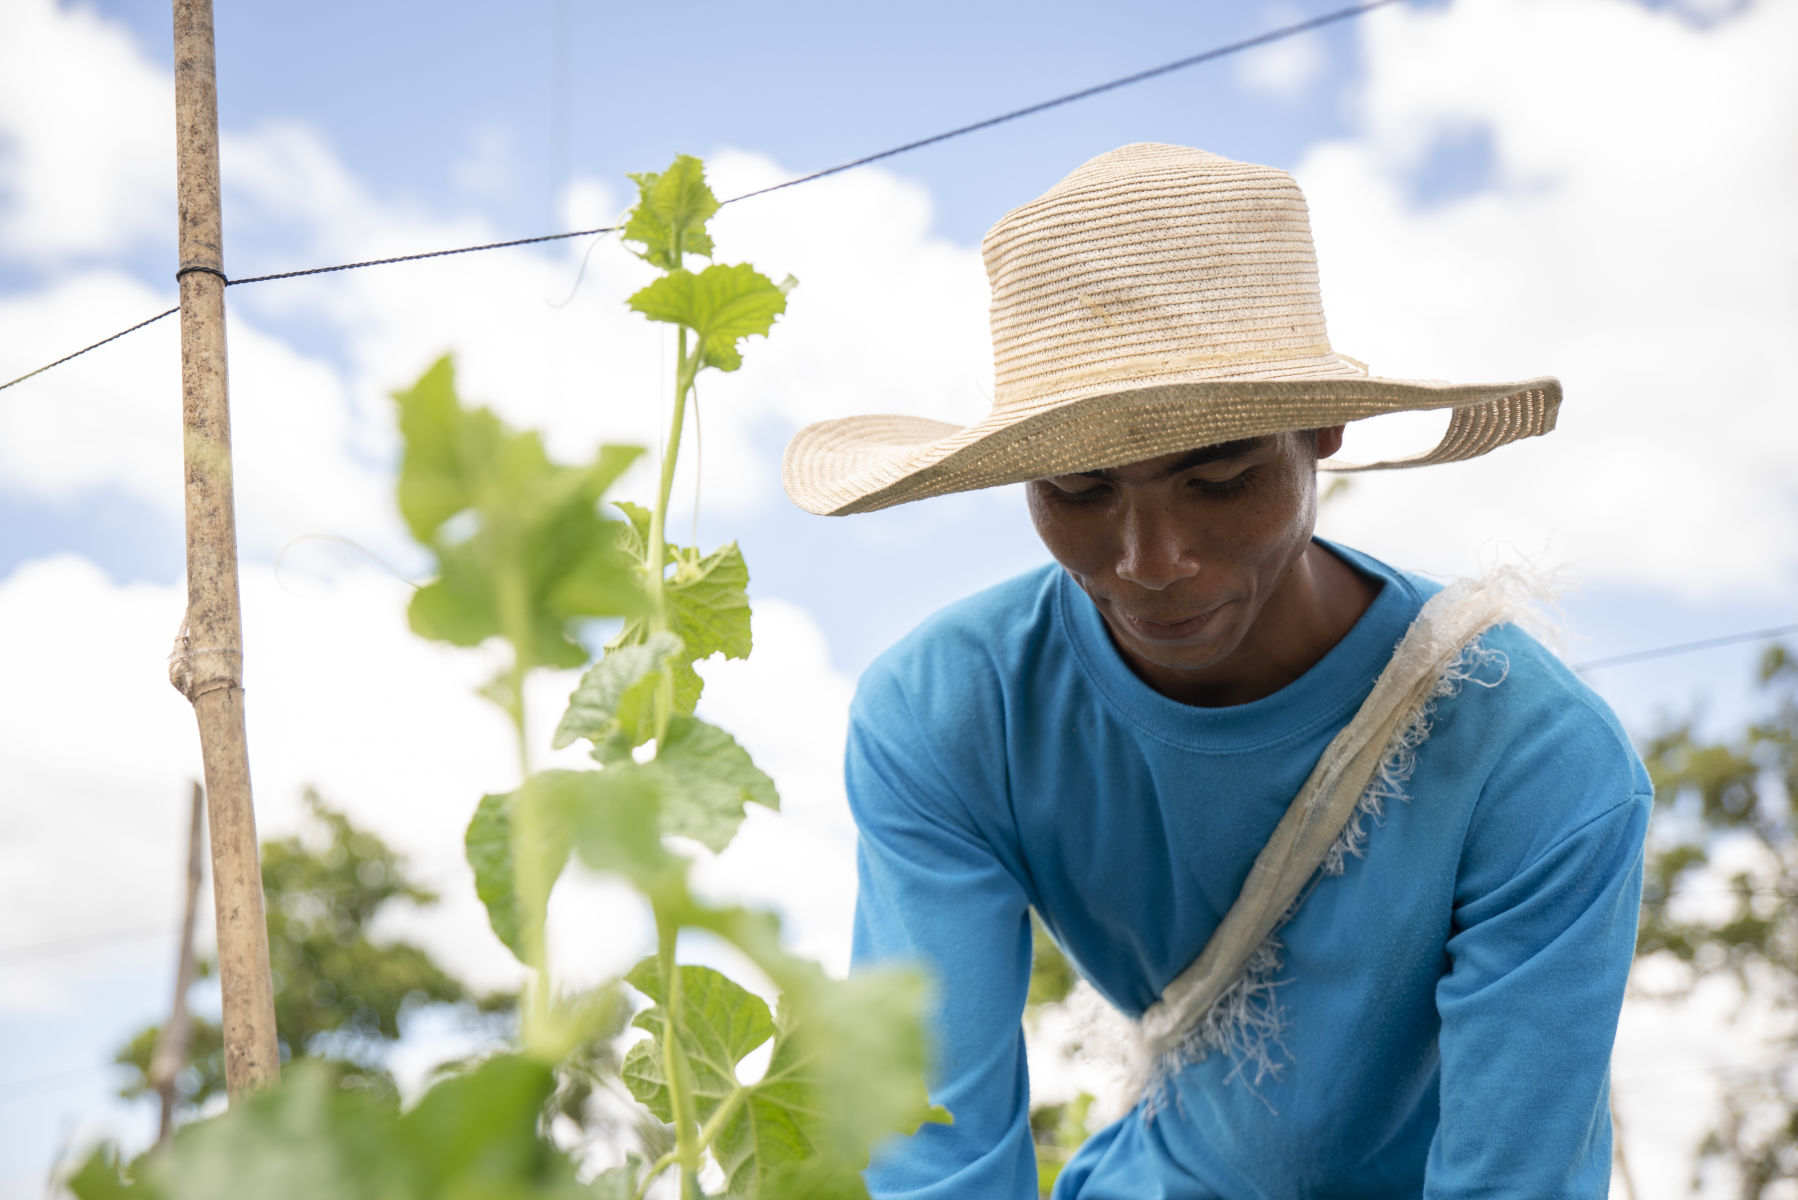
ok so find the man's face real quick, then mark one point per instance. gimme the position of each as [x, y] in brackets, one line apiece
[1184, 553]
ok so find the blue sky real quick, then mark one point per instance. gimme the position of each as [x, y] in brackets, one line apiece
[1477, 206]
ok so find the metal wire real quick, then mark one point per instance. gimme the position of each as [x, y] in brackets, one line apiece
[115, 337]
[1728, 639]
[1097, 89]
[1042, 106]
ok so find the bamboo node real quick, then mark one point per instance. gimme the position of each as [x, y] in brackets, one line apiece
[191, 678]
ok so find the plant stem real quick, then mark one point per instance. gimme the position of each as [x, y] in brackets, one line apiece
[527, 832]
[674, 1065]
[726, 1111]
[707, 1135]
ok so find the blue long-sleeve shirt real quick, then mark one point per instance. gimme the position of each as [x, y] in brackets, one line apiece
[1451, 999]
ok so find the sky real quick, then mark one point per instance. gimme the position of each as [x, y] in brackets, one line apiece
[1595, 189]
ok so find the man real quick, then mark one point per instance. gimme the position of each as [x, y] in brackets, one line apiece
[1362, 856]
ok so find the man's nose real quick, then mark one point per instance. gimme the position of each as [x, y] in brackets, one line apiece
[1154, 553]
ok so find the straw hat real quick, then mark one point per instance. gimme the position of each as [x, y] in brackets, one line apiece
[1158, 299]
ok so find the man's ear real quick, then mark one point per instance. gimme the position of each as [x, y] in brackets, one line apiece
[1328, 440]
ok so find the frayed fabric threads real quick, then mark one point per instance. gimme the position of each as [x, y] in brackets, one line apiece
[1390, 782]
[1227, 1000]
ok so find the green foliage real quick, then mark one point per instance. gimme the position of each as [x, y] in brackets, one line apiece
[614, 705]
[473, 1137]
[521, 547]
[707, 607]
[524, 554]
[337, 993]
[837, 1079]
[723, 305]
[616, 812]
[1052, 976]
[672, 209]
[1057, 1131]
[1741, 792]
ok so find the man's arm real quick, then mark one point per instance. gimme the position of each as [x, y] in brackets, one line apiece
[1540, 953]
[933, 892]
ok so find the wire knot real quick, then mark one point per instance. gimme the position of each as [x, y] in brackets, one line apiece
[191, 266]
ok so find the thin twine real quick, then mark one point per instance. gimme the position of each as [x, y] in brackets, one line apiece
[698, 460]
[1085, 93]
[581, 274]
[352, 544]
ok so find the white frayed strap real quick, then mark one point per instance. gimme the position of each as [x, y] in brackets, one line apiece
[1223, 1000]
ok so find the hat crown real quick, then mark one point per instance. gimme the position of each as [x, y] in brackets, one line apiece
[1155, 262]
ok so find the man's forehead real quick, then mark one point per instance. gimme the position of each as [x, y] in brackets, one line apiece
[1173, 464]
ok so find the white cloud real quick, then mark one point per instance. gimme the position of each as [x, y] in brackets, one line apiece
[1284, 68]
[1637, 243]
[340, 695]
[87, 137]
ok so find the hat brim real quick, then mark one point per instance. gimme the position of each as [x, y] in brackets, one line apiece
[862, 464]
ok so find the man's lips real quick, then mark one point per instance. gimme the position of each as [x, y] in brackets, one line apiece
[1168, 631]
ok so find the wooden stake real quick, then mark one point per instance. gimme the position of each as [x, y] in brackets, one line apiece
[173, 1043]
[207, 664]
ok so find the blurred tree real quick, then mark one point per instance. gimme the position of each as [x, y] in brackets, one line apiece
[1057, 1129]
[1720, 894]
[338, 995]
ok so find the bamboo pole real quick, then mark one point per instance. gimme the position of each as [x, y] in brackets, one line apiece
[207, 665]
[176, 1038]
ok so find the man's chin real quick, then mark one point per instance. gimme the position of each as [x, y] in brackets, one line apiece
[1199, 650]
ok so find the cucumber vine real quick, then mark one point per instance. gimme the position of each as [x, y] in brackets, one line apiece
[525, 553]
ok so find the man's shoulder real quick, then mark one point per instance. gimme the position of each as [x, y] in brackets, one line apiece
[971, 646]
[1520, 703]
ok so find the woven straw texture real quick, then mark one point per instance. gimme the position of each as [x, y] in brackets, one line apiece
[1158, 299]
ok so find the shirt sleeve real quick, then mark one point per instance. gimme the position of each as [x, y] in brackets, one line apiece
[1539, 955]
[934, 893]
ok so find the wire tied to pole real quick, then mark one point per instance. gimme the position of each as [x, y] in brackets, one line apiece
[188, 268]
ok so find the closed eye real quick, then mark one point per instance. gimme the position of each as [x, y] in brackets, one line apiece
[1230, 483]
[1078, 487]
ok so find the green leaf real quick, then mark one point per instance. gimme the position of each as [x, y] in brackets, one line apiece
[616, 819]
[642, 1073]
[618, 1183]
[816, 1179]
[492, 855]
[471, 1137]
[440, 438]
[634, 539]
[721, 1024]
[670, 204]
[708, 609]
[475, 1135]
[845, 1071]
[611, 813]
[306, 1137]
[615, 699]
[708, 604]
[103, 1177]
[723, 305]
[707, 779]
[522, 549]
